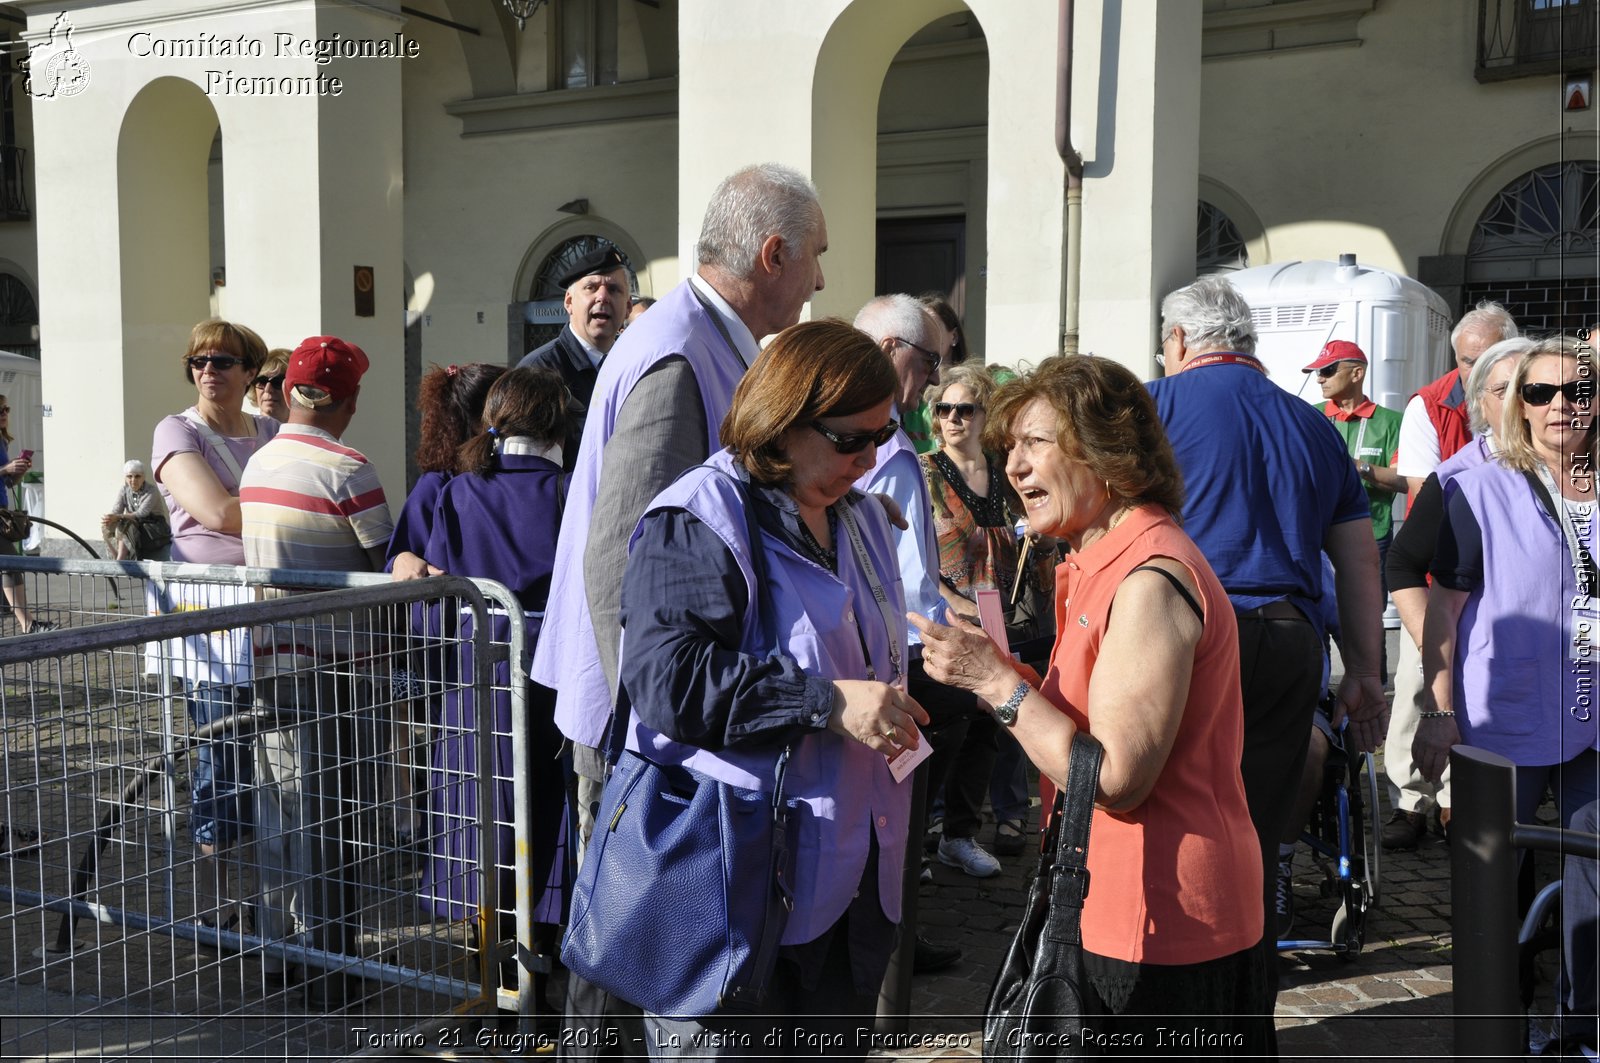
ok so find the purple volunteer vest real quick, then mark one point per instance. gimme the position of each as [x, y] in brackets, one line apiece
[567, 659]
[846, 789]
[1517, 693]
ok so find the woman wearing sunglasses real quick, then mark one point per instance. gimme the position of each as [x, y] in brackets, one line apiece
[197, 457]
[1511, 639]
[266, 388]
[723, 669]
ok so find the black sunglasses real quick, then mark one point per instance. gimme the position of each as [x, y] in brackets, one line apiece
[931, 356]
[856, 442]
[963, 410]
[275, 382]
[220, 362]
[1328, 370]
[1541, 394]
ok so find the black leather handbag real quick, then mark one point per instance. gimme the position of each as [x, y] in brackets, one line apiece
[1036, 1005]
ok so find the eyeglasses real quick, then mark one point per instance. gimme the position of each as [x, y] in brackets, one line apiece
[1541, 394]
[932, 357]
[963, 410]
[856, 442]
[220, 362]
[5, 409]
[1328, 370]
[274, 382]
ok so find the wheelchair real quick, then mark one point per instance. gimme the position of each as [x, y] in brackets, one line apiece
[1343, 835]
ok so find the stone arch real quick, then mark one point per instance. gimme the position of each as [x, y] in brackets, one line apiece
[19, 310]
[1482, 190]
[163, 151]
[851, 63]
[1240, 213]
[523, 330]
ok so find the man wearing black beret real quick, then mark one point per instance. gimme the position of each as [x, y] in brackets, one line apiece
[597, 305]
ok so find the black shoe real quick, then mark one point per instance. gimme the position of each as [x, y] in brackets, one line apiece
[929, 957]
[1404, 830]
[1010, 837]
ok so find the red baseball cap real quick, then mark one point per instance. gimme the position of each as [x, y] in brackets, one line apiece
[1337, 351]
[326, 362]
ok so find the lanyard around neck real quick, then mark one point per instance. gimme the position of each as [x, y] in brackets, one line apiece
[1225, 358]
[1583, 565]
[891, 623]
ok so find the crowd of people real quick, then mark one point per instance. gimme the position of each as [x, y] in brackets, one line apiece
[799, 542]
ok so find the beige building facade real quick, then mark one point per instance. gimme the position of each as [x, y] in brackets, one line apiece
[180, 159]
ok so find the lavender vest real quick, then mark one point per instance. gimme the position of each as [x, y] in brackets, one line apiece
[1517, 693]
[846, 792]
[1475, 453]
[567, 659]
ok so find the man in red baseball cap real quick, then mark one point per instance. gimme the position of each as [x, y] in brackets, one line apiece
[307, 502]
[1371, 432]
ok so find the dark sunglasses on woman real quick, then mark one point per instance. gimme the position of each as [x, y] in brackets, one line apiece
[1541, 394]
[963, 410]
[857, 441]
[220, 362]
[273, 382]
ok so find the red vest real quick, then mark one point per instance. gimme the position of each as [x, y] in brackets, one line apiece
[1450, 422]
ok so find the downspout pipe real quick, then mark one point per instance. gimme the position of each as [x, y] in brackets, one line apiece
[1073, 250]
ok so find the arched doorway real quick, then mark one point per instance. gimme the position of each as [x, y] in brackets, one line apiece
[1533, 248]
[19, 317]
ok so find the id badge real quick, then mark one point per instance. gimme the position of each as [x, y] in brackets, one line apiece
[1583, 628]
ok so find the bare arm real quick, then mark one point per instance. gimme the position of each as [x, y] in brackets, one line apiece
[196, 488]
[1355, 574]
[1386, 477]
[1136, 695]
[1435, 735]
[1411, 603]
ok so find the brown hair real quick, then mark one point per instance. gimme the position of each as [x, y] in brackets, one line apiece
[228, 338]
[810, 370]
[951, 321]
[5, 433]
[451, 400]
[522, 402]
[1104, 418]
[1513, 435]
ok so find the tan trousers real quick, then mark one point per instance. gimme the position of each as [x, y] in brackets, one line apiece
[1408, 790]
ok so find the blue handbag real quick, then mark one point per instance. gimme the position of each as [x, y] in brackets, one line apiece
[684, 891]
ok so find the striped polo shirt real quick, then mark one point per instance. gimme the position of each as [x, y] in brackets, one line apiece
[308, 502]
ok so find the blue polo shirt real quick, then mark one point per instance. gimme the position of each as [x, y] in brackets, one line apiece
[1264, 477]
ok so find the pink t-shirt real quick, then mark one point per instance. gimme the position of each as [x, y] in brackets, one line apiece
[191, 540]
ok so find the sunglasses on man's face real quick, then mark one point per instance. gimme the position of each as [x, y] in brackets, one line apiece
[1328, 370]
[856, 442]
[1542, 394]
[930, 357]
[963, 410]
[273, 382]
[220, 362]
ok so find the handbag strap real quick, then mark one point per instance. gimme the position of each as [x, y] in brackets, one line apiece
[1069, 869]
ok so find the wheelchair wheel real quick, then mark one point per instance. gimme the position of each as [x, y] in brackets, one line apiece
[1349, 933]
[1370, 847]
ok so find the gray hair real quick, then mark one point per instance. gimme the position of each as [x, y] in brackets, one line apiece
[132, 467]
[899, 315]
[1478, 381]
[1486, 317]
[751, 205]
[1213, 316]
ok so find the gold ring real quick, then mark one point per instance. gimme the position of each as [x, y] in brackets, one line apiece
[892, 734]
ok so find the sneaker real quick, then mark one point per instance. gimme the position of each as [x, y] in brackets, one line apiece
[42, 625]
[969, 856]
[1009, 837]
[928, 957]
[1284, 899]
[1404, 830]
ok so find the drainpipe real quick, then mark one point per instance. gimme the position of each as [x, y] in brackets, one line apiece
[1073, 252]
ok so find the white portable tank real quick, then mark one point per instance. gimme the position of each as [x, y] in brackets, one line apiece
[1401, 324]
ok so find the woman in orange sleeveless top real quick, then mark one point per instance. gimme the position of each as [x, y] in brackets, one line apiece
[1146, 660]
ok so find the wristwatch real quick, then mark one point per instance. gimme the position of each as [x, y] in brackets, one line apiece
[1006, 712]
[1364, 468]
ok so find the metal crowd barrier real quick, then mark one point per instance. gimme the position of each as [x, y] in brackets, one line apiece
[332, 934]
[1490, 1022]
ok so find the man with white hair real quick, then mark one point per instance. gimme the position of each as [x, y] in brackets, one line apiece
[1436, 424]
[1268, 488]
[657, 409]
